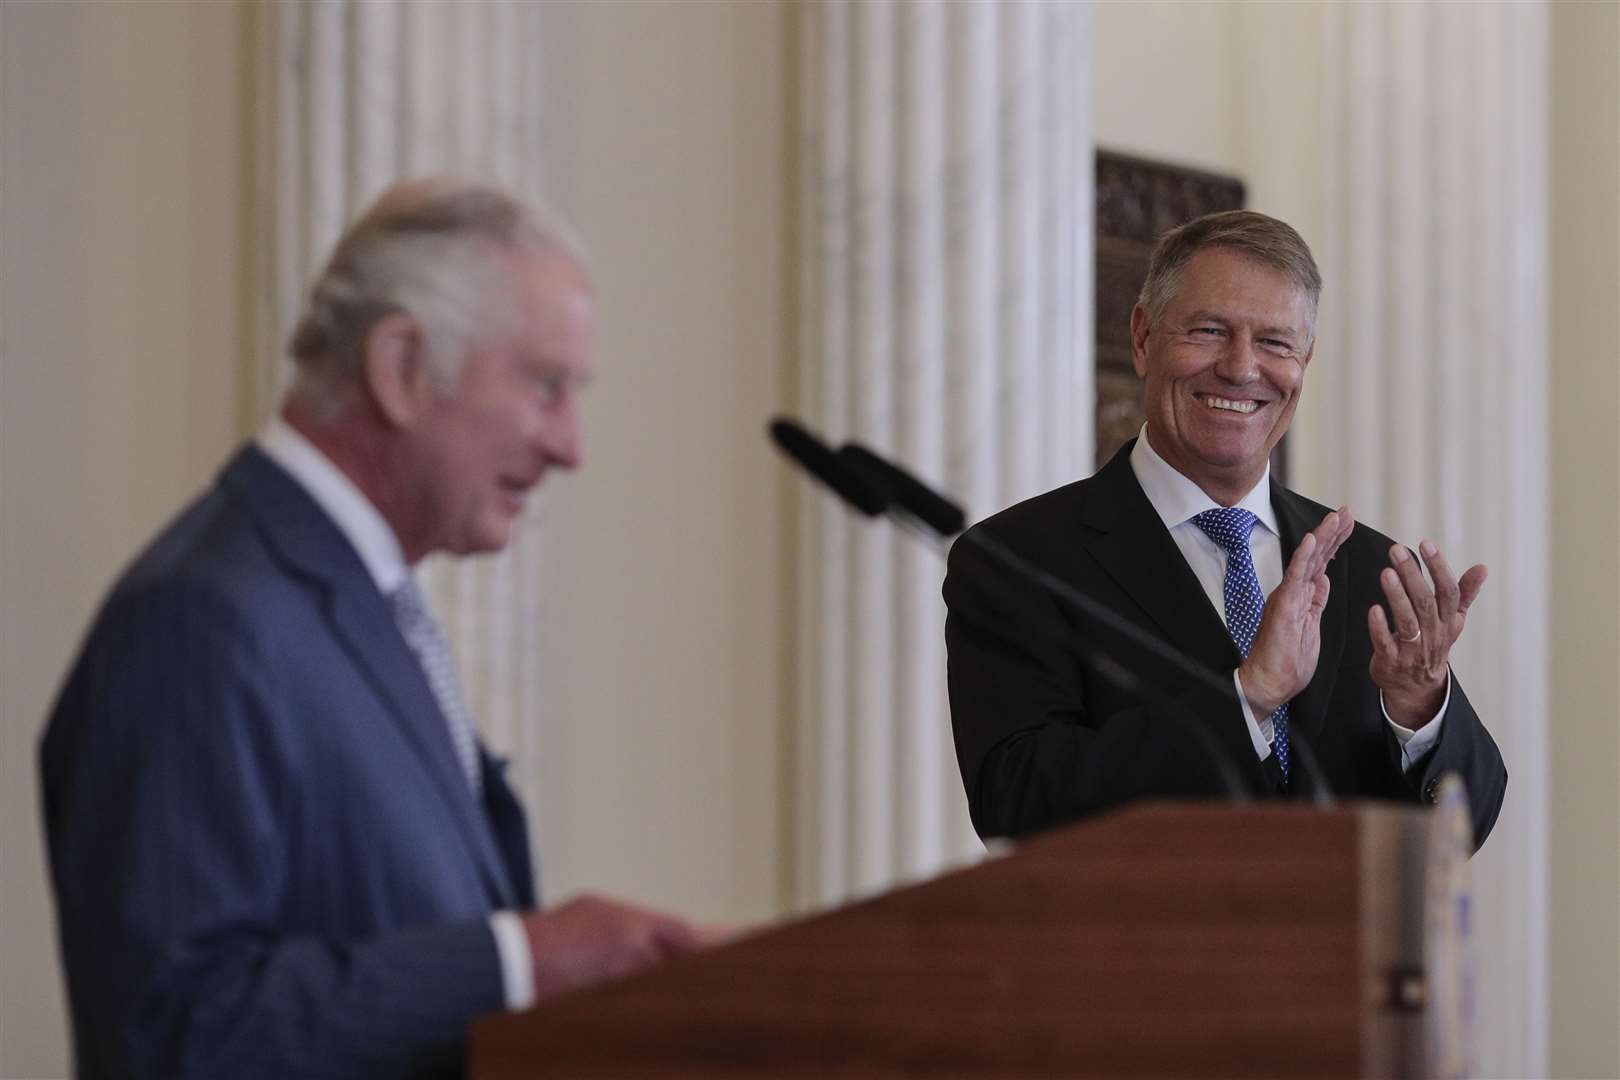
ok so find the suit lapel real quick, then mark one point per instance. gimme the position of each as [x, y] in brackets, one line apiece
[308, 540]
[362, 622]
[1297, 516]
[1134, 548]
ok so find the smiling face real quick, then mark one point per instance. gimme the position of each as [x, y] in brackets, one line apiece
[481, 447]
[1223, 364]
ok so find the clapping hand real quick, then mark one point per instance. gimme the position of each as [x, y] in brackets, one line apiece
[1283, 658]
[1410, 661]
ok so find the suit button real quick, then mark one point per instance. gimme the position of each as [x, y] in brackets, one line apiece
[1431, 791]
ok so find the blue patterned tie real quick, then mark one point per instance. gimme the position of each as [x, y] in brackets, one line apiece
[1229, 527]
[421, 632]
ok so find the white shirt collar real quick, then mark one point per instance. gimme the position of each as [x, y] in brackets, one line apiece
[1177, 499]
[359, 521]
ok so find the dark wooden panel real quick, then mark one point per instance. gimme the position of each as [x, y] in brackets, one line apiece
[1139, 199]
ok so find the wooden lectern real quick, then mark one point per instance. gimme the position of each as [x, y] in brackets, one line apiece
[1167, 939]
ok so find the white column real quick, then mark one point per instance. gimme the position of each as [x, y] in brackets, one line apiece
[946, 287]
[1433, 349]
[360, 94]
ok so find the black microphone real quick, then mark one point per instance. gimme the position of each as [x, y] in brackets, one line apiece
[909, 493]
[857, 488]
[924, 503]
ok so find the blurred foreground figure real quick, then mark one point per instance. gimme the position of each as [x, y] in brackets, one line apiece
[278, 847]
[1324, 626]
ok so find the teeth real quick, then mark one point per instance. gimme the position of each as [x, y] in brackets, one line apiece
[1230, 406]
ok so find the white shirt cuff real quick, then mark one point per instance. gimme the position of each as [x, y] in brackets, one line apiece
[517, 965]
[1415, 744]
[1261, 738]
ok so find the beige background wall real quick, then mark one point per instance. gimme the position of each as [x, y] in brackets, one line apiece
[1584, 807]
[121, 164]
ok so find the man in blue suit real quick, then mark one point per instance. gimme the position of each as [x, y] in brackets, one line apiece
[278, 848]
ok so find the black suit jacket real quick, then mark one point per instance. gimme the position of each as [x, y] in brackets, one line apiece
[1043, 738]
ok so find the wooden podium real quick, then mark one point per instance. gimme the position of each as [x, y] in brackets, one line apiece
[1167, 939]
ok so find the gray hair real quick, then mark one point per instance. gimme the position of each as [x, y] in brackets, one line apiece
[440, 255]
[1264, 239]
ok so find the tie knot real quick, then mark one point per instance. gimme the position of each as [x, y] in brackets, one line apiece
[1228, 526]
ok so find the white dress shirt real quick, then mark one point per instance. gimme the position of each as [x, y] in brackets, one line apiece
[1177, 500]
[378, 547]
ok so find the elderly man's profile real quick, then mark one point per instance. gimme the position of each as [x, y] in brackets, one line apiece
[278, 847]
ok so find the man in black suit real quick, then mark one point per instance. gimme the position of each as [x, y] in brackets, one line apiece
[1323, 626]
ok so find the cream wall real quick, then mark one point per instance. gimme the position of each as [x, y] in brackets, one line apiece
[1164, 83]
[119, 180]
[1584, 808]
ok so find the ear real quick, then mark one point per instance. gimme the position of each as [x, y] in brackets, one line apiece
[394, 369]
[1140, 329]
[1305, 361]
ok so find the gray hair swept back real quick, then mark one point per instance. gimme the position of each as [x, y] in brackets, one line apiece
[1264, 239]
[440, 257]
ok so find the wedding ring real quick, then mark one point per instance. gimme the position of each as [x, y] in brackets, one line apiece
[1414, 637]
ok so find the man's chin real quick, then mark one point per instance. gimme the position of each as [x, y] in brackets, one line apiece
[486, 537]
[1230, 446]
[1230, 468]
[1229, 458]
[497, 540]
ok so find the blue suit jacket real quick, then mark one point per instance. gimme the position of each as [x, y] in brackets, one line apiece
[266, 859]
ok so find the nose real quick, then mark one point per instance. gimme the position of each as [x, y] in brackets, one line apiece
[562, 441]
[1238, 362]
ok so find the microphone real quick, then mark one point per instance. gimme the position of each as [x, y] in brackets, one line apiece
[855, 487]
[908, 493]
[933, 509]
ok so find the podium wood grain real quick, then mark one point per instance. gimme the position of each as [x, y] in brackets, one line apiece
[1196, 940]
